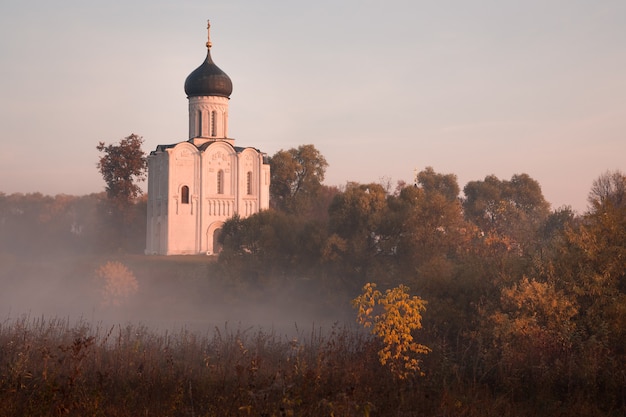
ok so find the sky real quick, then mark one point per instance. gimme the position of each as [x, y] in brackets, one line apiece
[380, 88]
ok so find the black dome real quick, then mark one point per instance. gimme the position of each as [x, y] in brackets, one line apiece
[208, 80]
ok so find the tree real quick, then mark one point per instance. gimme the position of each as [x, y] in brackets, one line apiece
[533, 334]
[510, 212]
[356, 243]
[431, 223]
[432, 182]
[265, 246]
[594, 268]
[122, 166]
[393, 317]
[297, 176]
[430, 242]
[608, 188]
[358, 210]
[585, 265]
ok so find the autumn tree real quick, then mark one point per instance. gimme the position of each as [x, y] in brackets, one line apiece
[122, 166]
[562, 328]
[116, 284]
[608, 189]
[435, 183]
[297, 176]
[392, 318]
[593, 263]
[533, 335]
[508, 213]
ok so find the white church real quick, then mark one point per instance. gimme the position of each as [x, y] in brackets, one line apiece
[196, 185]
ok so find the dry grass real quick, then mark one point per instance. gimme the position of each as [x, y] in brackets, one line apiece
[51, 367]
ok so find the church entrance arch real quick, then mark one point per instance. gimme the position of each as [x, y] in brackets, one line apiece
[212, 236]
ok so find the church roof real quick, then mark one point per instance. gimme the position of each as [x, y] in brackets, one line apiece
[208, 79]
[201, 148]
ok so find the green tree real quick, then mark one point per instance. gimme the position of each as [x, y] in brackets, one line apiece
[433, 183]
[358, 210]
[431, 239]
[429, 218]
[297, 176]
[508, 211]
[264, 246]
[357, 245]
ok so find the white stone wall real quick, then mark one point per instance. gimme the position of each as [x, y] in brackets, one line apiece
[184, 163]
[208, 117]
[176, 227]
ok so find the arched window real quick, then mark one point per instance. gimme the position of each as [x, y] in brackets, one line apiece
[199, 132]
[220, 182]
[184, 195]
[249, 182]
[213, 123]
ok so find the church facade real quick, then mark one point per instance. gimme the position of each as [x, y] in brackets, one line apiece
[196, 185]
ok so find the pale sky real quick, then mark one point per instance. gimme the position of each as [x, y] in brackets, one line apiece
[381, 88]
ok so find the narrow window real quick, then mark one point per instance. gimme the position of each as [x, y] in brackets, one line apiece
[184, 195]
[213, 123]
[199, 132]
[249, 182]
[220, 182]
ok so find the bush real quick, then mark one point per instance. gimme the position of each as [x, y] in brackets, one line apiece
[117, 283]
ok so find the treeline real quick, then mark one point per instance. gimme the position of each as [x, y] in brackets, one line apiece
[524, 302]
[111, 221]
[33, 225]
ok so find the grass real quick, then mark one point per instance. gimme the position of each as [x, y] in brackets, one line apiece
[52, 367]
[70, 367]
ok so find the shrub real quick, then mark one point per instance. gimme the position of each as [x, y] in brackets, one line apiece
[117, 283]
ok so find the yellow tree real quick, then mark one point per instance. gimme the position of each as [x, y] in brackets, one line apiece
[393, 317]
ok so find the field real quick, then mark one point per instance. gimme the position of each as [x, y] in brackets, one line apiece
[185, 344]
[189, 342]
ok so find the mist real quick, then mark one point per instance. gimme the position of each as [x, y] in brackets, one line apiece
[171, 294]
